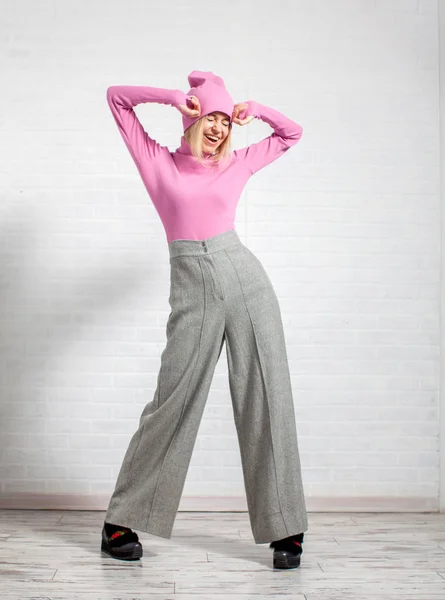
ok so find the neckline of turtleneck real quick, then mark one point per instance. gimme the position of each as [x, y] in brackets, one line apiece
[184, 148]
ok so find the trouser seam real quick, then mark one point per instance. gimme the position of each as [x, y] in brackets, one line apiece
[204, 312]
[265, 391]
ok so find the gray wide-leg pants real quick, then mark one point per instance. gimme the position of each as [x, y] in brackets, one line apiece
[219, 292]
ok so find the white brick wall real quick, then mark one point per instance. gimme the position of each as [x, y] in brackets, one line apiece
[347, 224]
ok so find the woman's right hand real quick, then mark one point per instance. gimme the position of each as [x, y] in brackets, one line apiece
[191, 112]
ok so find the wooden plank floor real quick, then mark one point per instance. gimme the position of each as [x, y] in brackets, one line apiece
[55, 555]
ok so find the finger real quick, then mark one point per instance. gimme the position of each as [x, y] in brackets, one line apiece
[241, 106]
[244, 121]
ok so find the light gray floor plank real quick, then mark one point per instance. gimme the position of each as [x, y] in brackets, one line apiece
[55, 555]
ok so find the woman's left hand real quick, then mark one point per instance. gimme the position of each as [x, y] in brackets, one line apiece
[237, 109]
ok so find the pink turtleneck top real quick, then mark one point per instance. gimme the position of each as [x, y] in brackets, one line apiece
[195, 201]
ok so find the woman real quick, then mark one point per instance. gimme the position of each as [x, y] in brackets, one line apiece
[219, 291]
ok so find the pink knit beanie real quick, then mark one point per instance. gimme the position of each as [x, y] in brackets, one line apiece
[211, 93]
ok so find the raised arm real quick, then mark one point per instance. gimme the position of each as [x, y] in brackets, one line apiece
[286, 134]
[122, 98]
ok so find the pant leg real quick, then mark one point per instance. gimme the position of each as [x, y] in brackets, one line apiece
[152, 476]
[261, 393]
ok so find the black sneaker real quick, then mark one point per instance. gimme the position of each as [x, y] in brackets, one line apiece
[120, 542]
[287, 552]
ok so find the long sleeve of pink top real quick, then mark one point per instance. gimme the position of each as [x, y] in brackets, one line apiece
[195, 201]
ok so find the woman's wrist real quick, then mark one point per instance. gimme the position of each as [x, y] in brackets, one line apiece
[251, 110]
[179, 97]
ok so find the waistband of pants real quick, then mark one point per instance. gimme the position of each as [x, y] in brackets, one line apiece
[202, 247]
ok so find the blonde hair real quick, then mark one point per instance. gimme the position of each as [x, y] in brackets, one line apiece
[193, 136]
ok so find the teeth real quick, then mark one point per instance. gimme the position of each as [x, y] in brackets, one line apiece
[214, 139]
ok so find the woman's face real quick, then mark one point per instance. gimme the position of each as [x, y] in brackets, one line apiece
[216, 129]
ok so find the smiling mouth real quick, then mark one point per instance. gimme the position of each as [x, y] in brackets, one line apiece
[212, 139]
